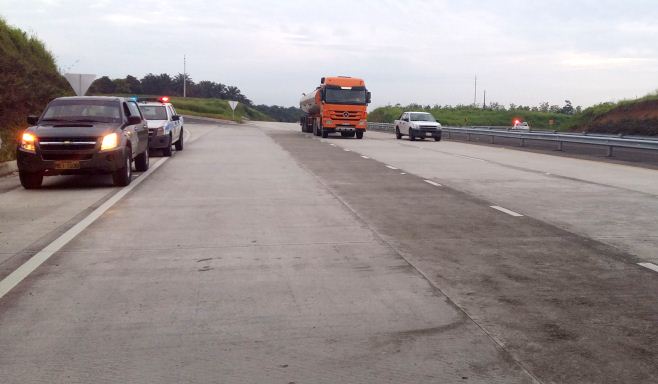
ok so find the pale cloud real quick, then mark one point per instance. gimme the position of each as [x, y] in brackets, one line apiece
[414, 51]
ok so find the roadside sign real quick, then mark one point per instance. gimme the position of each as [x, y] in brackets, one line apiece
[80, 82]
[233, 104]
[551, 122]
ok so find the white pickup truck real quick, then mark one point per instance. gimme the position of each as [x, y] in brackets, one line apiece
[417, 125]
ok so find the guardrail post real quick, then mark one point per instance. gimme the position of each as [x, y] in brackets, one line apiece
[609, 152]
[468, 136]
[493, 139]
[559, 145]
[523, 142]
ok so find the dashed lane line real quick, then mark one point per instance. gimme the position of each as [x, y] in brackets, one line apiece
[430, 182]
[650, 266]
[391, 167]
[507, 211]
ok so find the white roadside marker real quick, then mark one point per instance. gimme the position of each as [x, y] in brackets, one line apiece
[14, 278]
[402, 173]
[391, 167]
[347, 150]
[430, 182]
[365, 157]
[651, 266]
[333, 145]
[505, 210]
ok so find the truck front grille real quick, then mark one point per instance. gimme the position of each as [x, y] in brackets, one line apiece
[344, 115]
[67, 143]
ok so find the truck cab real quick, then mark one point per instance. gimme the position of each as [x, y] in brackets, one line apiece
[338, 105]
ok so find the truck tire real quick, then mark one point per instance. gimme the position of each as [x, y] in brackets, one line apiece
[30, 180]
[437, 138]
[359, 135]
[142, 161]
[352, 134]
[412, 137]
[123, 176]
[166, 151]
[316, 129]
[325, 133]
[179, 143]
[398, 135]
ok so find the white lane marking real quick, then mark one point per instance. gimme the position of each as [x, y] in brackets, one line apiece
[402, 173]
[189, 134]
[651, 266]
[505, 210]
[365, 157]
[391, 167]
[432, 183]
[14, 278]
[347, 150]
[333, 145]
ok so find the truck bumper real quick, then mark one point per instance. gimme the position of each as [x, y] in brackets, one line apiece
[95, 163]
[433, 133]
[159, 142]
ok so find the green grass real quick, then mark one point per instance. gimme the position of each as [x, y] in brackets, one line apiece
[590, 114]
[29, 79]
[470, 116]
[216, 108]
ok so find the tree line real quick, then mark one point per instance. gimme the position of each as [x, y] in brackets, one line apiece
[164, 84]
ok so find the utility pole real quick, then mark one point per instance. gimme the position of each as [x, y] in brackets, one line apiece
[484, 105]
[184, 77]
[475, 92]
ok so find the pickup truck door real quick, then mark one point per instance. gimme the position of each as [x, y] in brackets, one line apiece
[141, 129]
[405, 124]
[176, 124]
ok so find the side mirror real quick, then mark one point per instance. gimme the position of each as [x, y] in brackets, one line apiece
[175, 118]
[134, 120]
[32, 120]
[368, 97]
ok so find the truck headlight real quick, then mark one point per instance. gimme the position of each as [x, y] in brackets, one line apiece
[28, 142]
[110, 141]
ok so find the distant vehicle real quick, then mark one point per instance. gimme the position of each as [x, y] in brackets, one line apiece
[521, 125]
[417, 125]
[338, 105]
[84, 135]
[165, 126]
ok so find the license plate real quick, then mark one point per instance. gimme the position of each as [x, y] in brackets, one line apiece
[67, 164]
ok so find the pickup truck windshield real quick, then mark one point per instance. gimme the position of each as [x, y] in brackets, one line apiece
[100, 111]
[422, 117]
[153, 112]
[345, 96]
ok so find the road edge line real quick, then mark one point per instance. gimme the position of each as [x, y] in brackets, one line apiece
[22, 272]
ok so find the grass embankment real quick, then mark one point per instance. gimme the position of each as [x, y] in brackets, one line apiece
[29, 79]
[216, 108]
[471, 116]
[630, 117]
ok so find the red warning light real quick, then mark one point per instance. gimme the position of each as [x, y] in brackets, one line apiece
[517, 122]
[164, 99]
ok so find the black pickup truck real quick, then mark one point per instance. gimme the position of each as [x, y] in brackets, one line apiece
[84, 135]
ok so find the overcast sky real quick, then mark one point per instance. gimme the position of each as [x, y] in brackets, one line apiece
[523, 51]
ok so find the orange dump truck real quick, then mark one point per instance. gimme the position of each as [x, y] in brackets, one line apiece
[338, 105]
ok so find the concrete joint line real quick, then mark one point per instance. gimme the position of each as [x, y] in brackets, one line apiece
[498, 343]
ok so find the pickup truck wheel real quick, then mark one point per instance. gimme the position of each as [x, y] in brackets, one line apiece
[437, 138]
[412, 137]
[166, 151]
[179, 143]
[359, 135]
[142, 161]
[30, 180]
[123, 176]
[398, 135]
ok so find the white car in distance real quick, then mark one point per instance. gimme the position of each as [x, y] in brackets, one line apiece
[417, 125]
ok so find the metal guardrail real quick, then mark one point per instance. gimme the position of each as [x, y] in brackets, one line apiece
[610, 142]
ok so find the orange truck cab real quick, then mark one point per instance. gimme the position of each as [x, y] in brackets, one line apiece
[338, 105]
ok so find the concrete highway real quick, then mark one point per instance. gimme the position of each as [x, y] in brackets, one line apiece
[264, 255]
